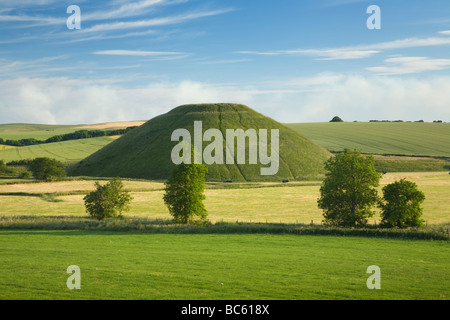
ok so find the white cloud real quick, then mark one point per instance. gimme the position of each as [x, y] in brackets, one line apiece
[125, 10]
[407, 65]
[37, 20]
[322, 54]
[365, 98]
[408, 43]
[357, 52]
[71, 101]
[24, 3]
[129, 9]
[153, 22]
[446, 32]
[230, 61]
[135, 53]
[114, 36]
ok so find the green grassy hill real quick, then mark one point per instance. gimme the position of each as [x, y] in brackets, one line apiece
[65, 151]
[394, 138]
[145, 152]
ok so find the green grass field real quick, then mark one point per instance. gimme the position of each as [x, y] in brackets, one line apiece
[398, 138]
[17, 131]
[213, 267]
[65, 151]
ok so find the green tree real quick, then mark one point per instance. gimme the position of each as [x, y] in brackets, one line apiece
[46, 169]
[336, 119]
[401, 205]
[108, 201]
[348, 190]
[184, 193]
[3, 168]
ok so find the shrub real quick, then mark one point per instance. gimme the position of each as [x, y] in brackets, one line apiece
[108, 201]
[401, 205]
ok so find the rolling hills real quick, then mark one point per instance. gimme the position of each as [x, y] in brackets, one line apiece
[397, 146]
[17, 131]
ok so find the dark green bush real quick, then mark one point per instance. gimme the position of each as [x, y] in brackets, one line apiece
[108, 201]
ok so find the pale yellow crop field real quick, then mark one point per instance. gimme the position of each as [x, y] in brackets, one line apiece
[276, 202]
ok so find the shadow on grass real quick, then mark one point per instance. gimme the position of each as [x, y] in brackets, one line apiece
[152, 226]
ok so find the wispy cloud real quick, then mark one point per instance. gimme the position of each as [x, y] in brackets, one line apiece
[356, 52]
[230, 61]
[320, 54]
[24, 3]
[110, 36]
[132, 9]
[135, 53]
[409, 43]
[126, 10]
[36, 20]
[408, 65]
[17, 67]
[123, 25]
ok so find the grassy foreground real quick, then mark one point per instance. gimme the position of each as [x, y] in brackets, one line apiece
[161, 266]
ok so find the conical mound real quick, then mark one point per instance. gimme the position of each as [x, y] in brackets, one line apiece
[145, 152]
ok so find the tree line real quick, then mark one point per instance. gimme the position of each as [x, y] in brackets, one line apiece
[79, 134]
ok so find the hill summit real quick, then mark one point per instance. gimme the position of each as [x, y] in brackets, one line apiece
[146, 152]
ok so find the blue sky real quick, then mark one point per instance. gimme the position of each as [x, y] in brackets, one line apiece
[293, 60]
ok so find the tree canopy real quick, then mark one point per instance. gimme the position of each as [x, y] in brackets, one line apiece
[46, 169]
[401, 204]
[184, 193]
[336, 119]
[348, 190]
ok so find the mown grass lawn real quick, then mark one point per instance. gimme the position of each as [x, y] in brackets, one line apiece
[237, 266]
